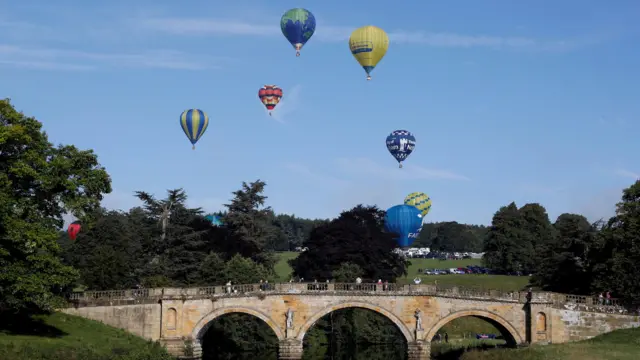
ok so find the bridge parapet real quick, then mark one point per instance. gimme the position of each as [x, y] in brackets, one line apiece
[141, 296]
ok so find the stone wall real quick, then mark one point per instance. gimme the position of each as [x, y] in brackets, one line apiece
[143, 320]
[571, 325]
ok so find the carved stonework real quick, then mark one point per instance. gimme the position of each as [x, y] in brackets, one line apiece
[290, 349]
[419, 350]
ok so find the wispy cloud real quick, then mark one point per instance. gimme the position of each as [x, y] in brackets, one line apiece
[627, 174]
[60, 59]
[219, 27]
[288, 105]
[368, 167]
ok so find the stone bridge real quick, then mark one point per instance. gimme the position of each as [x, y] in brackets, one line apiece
[179, 317]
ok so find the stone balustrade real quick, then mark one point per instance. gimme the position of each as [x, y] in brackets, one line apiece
[138, 296]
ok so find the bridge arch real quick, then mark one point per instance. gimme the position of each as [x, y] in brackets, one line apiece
[355, 304]
[203, 325]
[492, 317]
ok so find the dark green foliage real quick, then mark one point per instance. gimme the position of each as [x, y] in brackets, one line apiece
[616, 256]
[515, 236]
[452, 236]
[356, 237]
[38, 182]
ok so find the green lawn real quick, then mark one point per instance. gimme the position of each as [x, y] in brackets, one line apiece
[64, 337]
[616, 345]
[497, 282]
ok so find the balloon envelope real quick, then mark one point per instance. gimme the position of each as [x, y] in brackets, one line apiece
[368, 45]
[405, 221]
[420, 200]
[214, 220]
[73, 230]
[270, 96]
[298, 25]
[400, 144]
[194, 123]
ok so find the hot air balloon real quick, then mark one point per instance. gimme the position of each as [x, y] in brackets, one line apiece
[74, 229]
[270, 96]
[368, 45]
[214, 219]
[298, 25]
[194, 123]
[420, 200]
[400, 144]
[405, 221]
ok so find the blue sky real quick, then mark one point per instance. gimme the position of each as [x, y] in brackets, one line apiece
[526, 101]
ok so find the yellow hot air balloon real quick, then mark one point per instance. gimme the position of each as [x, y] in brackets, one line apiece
[368, 45]
[420, 200]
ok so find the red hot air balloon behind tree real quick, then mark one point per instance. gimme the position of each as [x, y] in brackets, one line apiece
[270, 96]
[74, 229]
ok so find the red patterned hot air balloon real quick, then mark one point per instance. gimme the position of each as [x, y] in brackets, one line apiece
[74, 229]
[270, 96]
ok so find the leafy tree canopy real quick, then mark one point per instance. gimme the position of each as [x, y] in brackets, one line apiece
[38, 184]
[355, 237]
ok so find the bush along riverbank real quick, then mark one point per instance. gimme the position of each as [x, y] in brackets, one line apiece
[63, 337]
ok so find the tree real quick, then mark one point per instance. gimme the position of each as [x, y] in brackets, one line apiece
[249, 224]
[565, 265]
[452, 237]
[38, 184]
[616, 255]
[347, 272]
[505, 248]
[108, 254]
[355, 237]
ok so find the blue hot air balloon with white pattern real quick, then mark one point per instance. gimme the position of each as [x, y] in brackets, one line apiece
[400, 144]
[194, 123]
[405, 221]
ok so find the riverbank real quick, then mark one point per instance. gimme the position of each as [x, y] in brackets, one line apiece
[64, 337]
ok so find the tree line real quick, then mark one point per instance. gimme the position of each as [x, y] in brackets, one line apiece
[571, 255]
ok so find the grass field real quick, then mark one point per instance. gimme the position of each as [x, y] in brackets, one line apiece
[497, 282]
[63, 337]
[616, 345]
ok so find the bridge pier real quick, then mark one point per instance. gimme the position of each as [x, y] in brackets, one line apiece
[419, 350]
[290, 349]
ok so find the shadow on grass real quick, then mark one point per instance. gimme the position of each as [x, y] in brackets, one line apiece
[13, 324]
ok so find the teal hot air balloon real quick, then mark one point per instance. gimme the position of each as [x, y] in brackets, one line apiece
[405, 221]
[215, 220]
[194, 123]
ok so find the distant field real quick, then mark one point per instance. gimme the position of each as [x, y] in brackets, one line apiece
[497, 282]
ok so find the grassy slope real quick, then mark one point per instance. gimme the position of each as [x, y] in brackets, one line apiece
[616, 345]
[65, 337]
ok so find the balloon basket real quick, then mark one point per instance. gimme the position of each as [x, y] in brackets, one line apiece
[269, 113]
[368, 77]
[193, 147]
[400, 166]
[297, 53]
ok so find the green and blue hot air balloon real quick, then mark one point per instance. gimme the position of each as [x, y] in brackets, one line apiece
[405, 221]
[194, 123]
[215, 220]
[298, 25]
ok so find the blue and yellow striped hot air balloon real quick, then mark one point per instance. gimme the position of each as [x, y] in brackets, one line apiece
[420, 200]
[194, 123]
